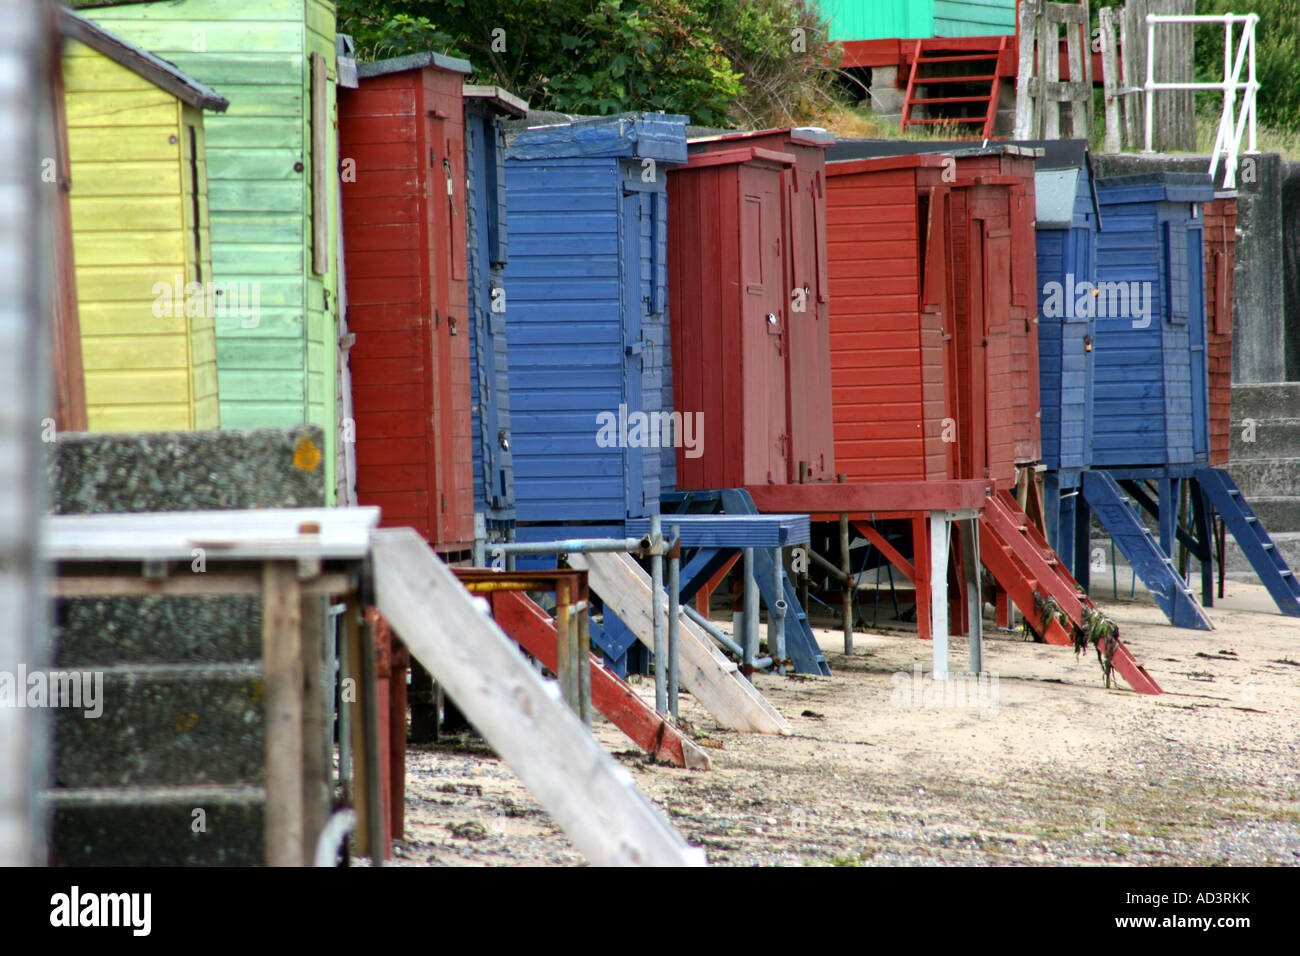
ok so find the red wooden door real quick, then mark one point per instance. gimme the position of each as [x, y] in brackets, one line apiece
[763, 326]
[808, 366]
[1000, 376]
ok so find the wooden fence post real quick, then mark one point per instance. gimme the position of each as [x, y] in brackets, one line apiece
[1110, 79]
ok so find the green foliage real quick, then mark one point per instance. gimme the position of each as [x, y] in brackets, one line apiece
[1277, 55]
[720, 61]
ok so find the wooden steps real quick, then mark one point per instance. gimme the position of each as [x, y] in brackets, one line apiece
[989, 87]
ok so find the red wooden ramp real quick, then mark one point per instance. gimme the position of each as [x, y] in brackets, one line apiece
[1026, 567]
[534, 630]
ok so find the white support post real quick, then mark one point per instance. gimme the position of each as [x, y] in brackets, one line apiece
[939, 525]
[1254, 84]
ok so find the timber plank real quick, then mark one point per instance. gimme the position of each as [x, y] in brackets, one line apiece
[591, 798]
[705, 671]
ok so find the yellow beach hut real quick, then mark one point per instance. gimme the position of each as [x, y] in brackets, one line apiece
[140, 234]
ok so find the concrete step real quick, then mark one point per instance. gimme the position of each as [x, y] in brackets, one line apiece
[91, 632]
[165, 724]
[1288, 544]
[1272, 438]
[1266, 477]
[158, 826]
[1277, 400]
[182, 722]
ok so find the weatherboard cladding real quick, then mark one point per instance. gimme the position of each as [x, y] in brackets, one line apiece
[406, 250]
[988, 209]
[1220, 260]
[587, 328]
[279, 368]
[1150, 399]
[1067, 246]
[485, 203]
[889, 301]
[155, 69]
[917, 19]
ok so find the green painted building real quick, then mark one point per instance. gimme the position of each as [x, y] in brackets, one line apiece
[273, 182]
[918, 19]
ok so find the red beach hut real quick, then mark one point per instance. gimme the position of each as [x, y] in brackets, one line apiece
[772, 277]
[405, 253]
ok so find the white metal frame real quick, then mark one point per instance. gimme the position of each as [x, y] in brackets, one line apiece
[1231, 127]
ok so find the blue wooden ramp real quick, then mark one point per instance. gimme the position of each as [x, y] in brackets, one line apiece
[1251, 537]
[1139, 546]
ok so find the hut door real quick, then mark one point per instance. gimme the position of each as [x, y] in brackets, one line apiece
[971, 336]
[808, 358]
[1196, 342]
[763, 326]
[1004, 365]
[1084, 260]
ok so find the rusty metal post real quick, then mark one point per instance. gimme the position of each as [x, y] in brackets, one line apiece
[674, 613]
[584, 655]
[400, 663]
[846, 568]
[565, 669]
[368, 732]
[382, 637]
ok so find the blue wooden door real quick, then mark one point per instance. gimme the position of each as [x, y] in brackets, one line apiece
[1084, 336]
[1196, 342]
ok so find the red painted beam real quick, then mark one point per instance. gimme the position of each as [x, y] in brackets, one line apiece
[533, 629]
[705, 593]
[867, 530]
[865, 497]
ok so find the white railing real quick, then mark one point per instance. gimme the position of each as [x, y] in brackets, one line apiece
[1231, 126]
